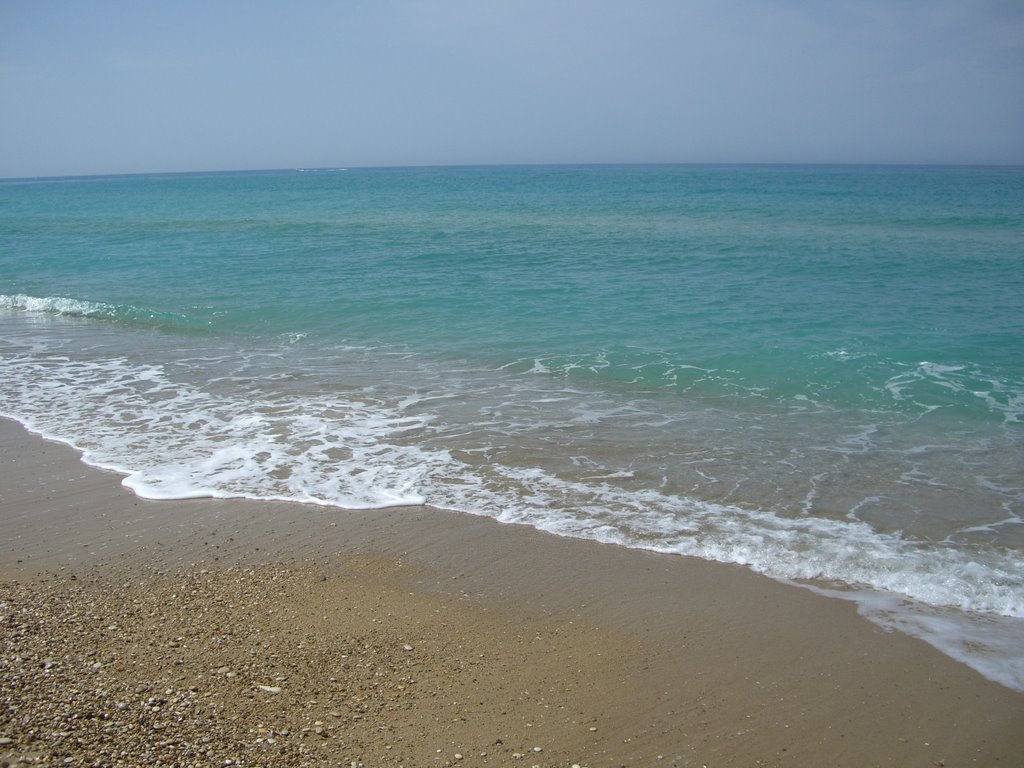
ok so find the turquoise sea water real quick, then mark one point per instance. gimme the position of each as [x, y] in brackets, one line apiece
[817, 372]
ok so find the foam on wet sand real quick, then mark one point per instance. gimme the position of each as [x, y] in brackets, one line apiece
[203, 631]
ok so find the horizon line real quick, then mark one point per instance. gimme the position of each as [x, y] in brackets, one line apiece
[341, 168]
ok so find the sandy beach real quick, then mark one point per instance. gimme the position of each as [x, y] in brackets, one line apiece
[211, 632]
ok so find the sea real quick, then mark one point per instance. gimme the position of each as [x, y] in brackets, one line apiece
[816, 372]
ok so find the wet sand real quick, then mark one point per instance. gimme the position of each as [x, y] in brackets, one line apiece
[197, 632]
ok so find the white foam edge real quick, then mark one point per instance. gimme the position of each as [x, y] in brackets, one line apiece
[132, 480]
[176, 493]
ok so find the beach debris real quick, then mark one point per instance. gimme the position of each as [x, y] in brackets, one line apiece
[270, 688]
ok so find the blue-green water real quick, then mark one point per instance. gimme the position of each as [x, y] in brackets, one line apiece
[814, 371]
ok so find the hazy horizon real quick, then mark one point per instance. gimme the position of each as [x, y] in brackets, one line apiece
[114, 88]
[336, 169]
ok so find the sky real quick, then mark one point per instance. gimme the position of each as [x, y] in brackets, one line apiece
[136, 86]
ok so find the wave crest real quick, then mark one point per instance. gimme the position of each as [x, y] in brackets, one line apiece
[93, 310]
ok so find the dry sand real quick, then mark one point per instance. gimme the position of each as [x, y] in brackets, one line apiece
[201, 632]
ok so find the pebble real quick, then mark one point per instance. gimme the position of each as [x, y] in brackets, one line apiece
[175, 682]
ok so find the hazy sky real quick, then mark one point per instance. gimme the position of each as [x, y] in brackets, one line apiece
[103, 86]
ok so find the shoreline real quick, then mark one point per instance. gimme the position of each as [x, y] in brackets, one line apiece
[695, 662]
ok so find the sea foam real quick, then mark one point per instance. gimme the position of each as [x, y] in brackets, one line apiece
[173, 439]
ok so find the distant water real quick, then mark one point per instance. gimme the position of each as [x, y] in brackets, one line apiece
[817, 372]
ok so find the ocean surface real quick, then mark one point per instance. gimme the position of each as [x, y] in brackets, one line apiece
[816, 372]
